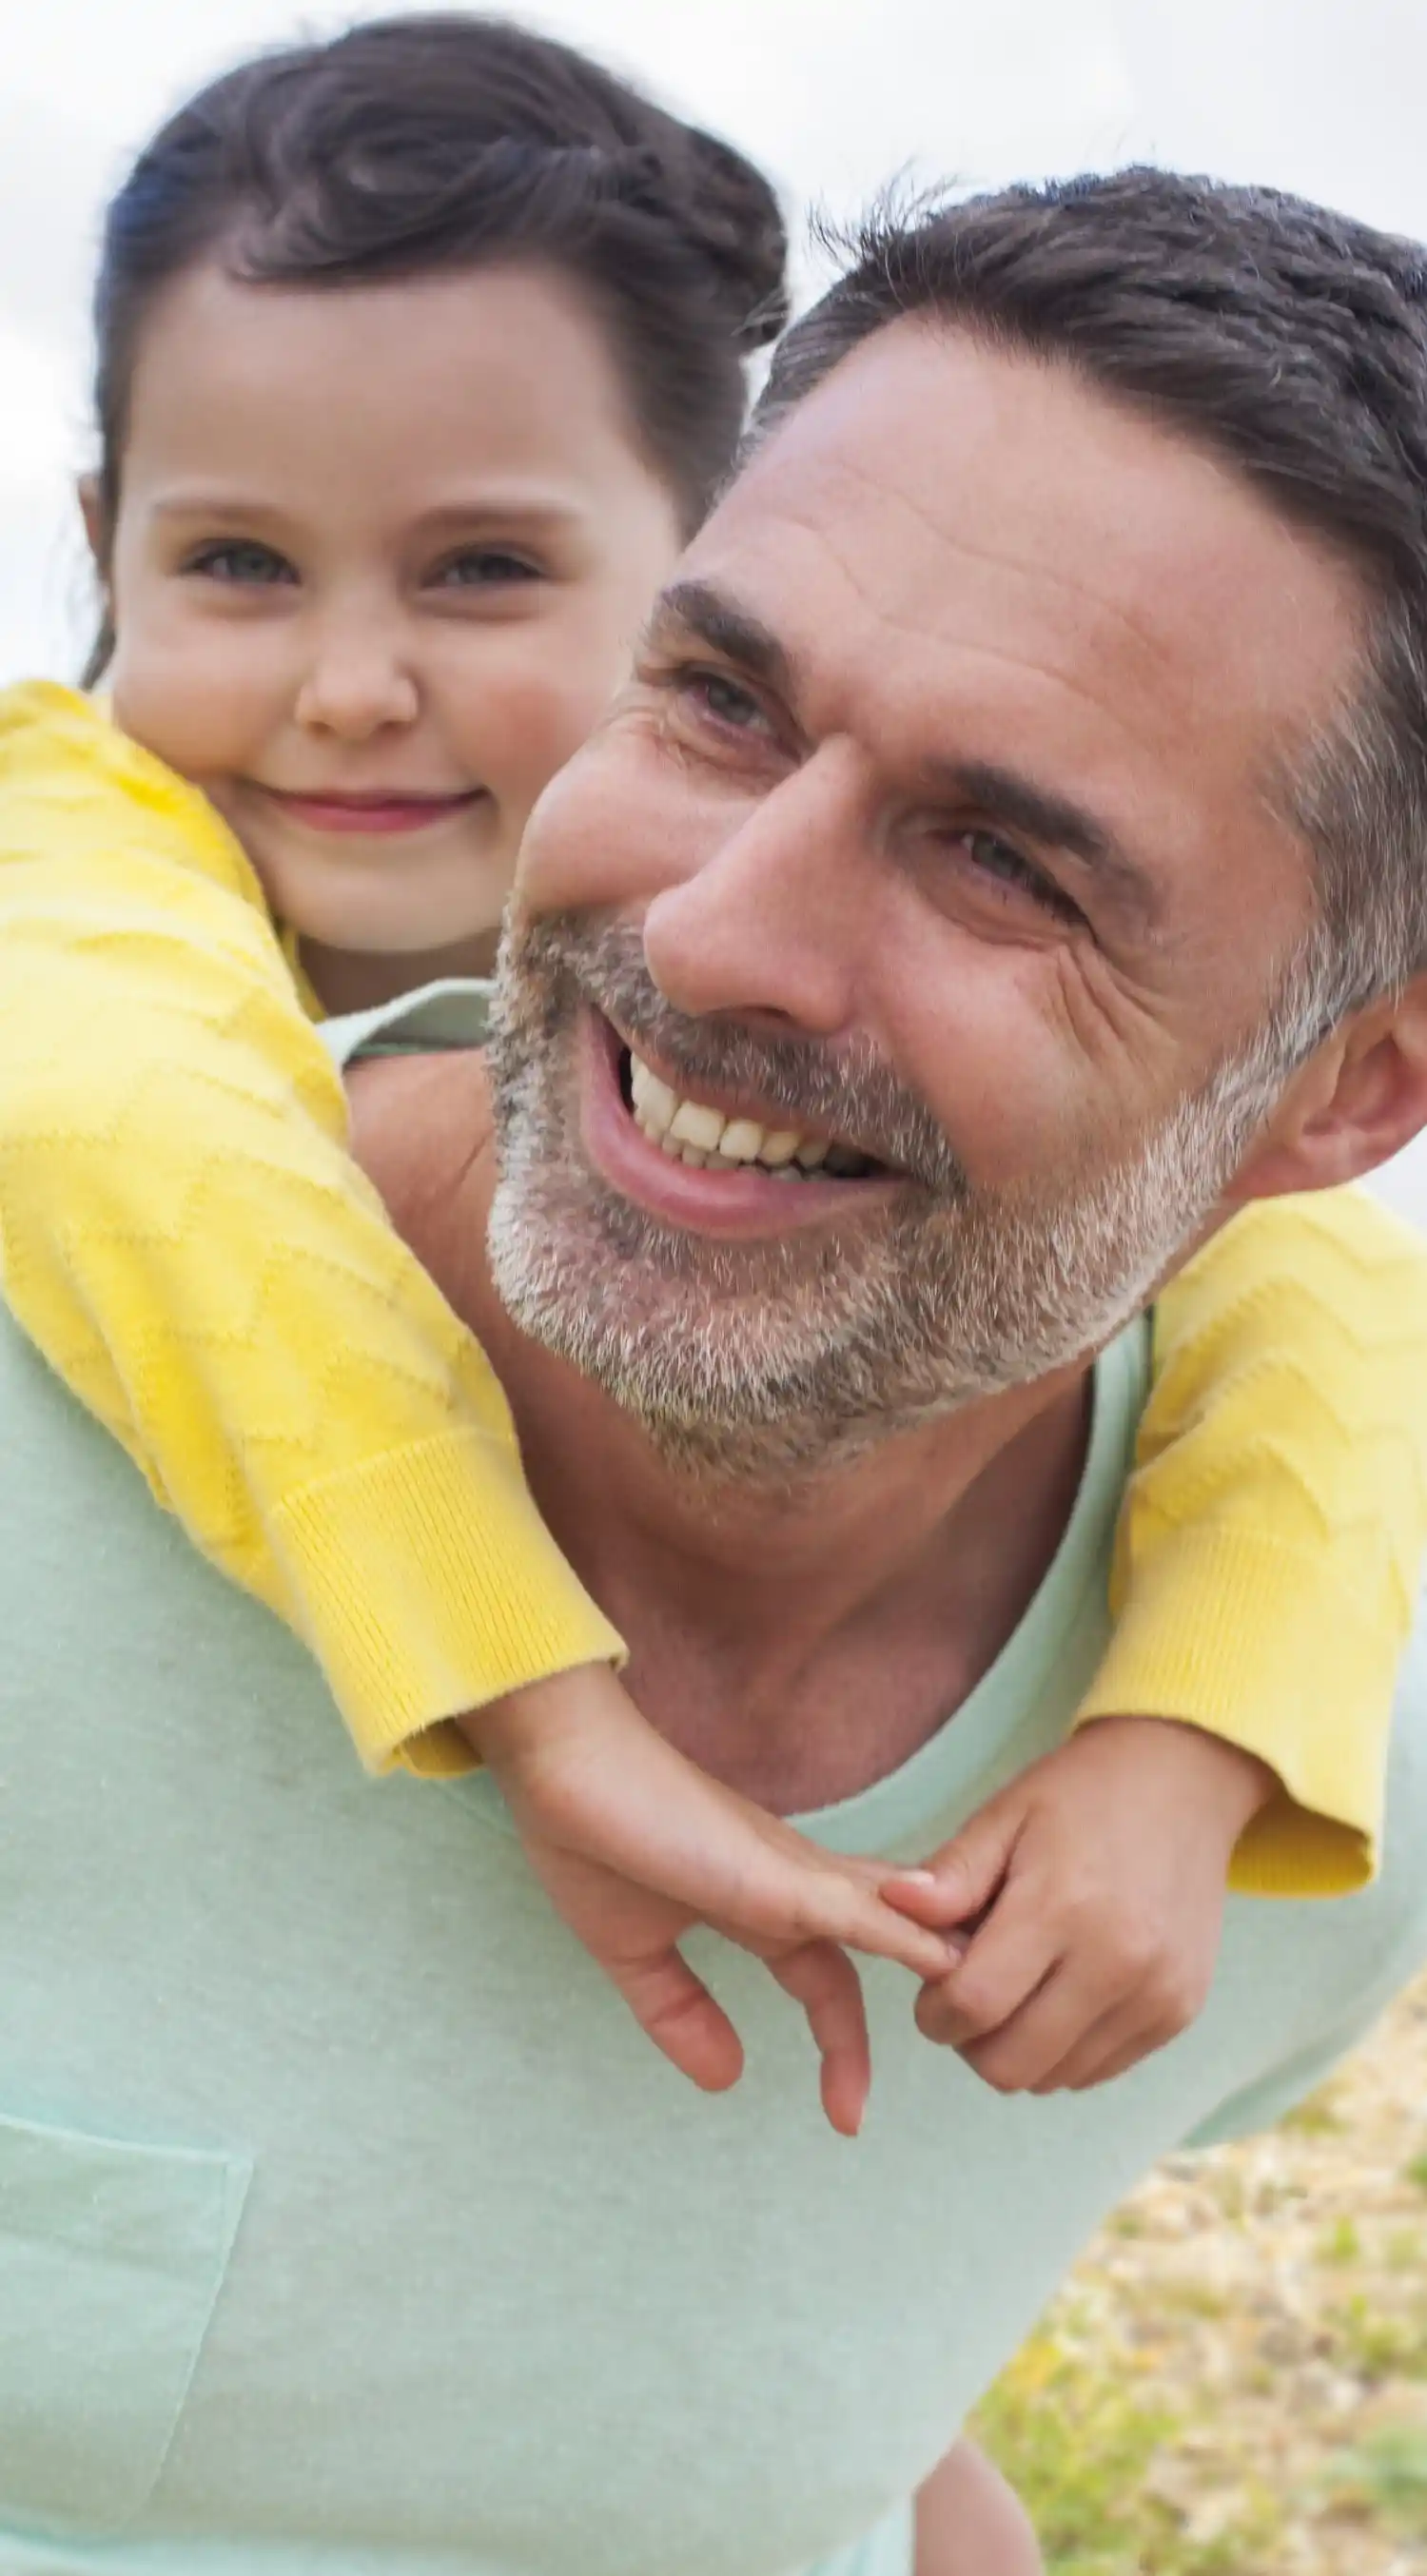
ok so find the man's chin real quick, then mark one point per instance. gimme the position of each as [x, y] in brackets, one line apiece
[618, 1297]
[743, 1362]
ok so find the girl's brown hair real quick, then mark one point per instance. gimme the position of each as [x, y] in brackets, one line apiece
[413, 145]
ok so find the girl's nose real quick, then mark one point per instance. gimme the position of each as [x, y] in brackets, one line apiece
[357, 687]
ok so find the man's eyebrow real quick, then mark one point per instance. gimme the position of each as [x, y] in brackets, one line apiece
[696, 608]
[699, 609]
[1055, 822]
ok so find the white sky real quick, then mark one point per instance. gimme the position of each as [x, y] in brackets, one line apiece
[833, 96]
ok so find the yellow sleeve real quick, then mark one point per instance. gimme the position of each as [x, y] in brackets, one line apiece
[185, 1238]
[1270, 1543]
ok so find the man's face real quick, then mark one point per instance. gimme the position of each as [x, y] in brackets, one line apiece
[939, 823]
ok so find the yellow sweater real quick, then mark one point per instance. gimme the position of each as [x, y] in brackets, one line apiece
[185, 1237]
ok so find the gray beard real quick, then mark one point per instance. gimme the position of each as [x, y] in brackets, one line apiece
[769, 1361]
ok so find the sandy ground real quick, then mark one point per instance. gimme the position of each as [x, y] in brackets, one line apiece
[1234, 2382]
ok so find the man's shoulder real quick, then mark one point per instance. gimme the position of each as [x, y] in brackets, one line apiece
[417, 1122]
[100, 1585]
[39, 1420]
[1301, 1984]
[436, 1019]
[1404, 1872]
[1390, 1916]
[417, 1092]
[73, 1508]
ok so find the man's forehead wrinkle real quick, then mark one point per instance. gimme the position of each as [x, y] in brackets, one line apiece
[976, 648]
[918, 634]
[832, 510]
[1027, 567]
[1074, 673]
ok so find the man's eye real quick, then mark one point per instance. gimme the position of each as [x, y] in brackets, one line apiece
[485, 568]
[716, 696]
[995, 859]
[241, 559]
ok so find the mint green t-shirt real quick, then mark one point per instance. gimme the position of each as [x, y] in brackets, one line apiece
[348, 2226]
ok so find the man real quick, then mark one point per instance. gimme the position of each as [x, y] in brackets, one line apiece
[1022, 788]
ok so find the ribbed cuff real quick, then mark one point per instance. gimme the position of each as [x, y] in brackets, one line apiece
[426, 1584]
[1228, 1629]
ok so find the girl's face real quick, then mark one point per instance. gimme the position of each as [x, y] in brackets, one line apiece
[379, 556]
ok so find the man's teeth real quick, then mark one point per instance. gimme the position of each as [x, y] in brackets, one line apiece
[690, 1132]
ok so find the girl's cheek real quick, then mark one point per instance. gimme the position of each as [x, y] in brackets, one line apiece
[188, 705]
[143, 705]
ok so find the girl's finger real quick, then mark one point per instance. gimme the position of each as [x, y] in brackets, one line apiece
[961, 1880]
[674, 2008]
[1007, 1962]
[824, 1981]
[1033, 2043]
[790, 1894]
[1110, 2048]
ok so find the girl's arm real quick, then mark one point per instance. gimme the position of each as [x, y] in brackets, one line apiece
[1270, 1545]
[184, 1236]
[1264, 1585]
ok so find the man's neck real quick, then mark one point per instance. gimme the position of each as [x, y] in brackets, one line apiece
[799, 1642]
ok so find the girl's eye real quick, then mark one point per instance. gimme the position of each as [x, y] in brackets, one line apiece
[241, 559]
[485, 568]
[1004, 866]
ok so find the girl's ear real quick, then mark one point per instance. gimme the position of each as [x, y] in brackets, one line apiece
[91, 510]
[100, 534]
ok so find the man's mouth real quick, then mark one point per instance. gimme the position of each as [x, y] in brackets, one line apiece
[696, 1133]
[760, 1174]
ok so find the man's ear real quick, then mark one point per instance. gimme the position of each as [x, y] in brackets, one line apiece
[1358, 1100]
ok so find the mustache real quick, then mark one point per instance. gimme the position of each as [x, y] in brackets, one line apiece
[848, 1090]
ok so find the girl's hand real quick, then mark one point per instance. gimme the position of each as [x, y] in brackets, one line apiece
[634, 1845]
[1090, 1892]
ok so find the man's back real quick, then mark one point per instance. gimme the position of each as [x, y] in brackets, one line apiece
[346, 2217]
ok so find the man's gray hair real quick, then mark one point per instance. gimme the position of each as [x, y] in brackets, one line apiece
[1359, 796]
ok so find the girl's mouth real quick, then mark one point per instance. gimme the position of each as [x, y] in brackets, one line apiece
[373, 810]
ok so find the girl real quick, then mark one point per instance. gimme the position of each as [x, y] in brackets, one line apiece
[419, 354]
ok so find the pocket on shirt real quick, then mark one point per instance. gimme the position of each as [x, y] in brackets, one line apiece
[111, 2259]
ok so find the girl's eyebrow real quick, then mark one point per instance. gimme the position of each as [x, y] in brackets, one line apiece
[233, 504]
[464, 510]
[529, 509]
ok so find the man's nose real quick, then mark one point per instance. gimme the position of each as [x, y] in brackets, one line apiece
[775, 921]
[358, 680]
